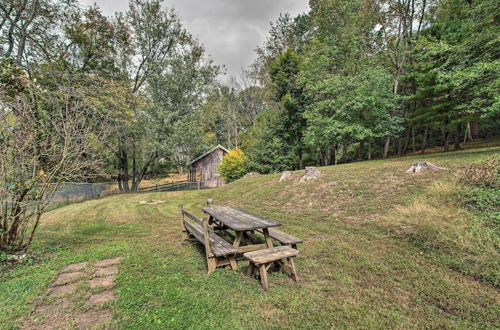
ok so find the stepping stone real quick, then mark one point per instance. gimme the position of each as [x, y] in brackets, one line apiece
[62, 290]
[67, 278]
[92, 318]
[58, 307]
[107, 282]
[108, 262]
[75, 267]
[101, 272]
[101, 298]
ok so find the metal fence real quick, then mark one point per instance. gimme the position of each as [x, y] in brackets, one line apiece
[71, 192]
[178, 186]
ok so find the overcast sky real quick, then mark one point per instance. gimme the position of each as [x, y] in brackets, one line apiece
[229, 29]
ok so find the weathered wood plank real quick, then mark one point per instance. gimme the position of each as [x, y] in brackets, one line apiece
[283, 238]
[219, 246]
[253, 247]
[192, 217]
[238, 219]
[269, 255]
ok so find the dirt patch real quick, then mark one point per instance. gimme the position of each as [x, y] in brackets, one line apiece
[106, 282]
[317, 237]
[88, 320]
[108, 262]
[75, 267]
[101, 298]
[151, 202]
[63, 290]
[65, 278]
[101, 272]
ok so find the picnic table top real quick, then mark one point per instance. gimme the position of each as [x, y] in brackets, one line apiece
[239, 220]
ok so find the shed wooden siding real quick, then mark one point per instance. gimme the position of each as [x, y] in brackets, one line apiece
[208, 166]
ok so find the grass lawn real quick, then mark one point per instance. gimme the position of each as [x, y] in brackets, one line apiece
[355, 270]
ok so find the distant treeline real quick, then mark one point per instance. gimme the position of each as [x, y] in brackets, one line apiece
[357, 79]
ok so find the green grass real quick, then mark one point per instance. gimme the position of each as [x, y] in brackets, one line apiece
[356, 269]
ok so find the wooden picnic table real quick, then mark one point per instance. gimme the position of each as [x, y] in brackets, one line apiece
[242, 223]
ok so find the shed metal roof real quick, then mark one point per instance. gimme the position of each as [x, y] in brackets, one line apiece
[207, 153]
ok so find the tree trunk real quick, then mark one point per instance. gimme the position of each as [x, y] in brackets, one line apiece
[474, 129]
[360, 150]
[369, 150]
[446, 136]
[458, 134]
[386, 146]
[344, 153]
[406, 142]
[413, 138]
[467, 135]
[123, 162]
[424, 142]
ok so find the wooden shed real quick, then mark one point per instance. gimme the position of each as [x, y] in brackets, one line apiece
[207, 165]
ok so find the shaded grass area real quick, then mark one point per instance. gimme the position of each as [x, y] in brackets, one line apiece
[355, 270]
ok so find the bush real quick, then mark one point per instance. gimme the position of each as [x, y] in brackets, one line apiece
[234, 165]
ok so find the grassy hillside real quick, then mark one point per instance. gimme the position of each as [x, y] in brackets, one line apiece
[367, 259]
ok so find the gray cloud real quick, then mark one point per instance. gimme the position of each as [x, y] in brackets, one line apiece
[229, 29]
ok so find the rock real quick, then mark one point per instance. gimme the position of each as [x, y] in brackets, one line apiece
[285, 175]
[418, 167]
[251, 174]
[311, 173]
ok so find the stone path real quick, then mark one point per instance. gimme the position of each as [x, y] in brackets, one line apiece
[78, 298]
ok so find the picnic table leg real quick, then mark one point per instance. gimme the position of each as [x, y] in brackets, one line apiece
[238, 238]
[294, 270]
[211, 265]
[232, 263]
[250, 269]
[269, 242]
[263, 276]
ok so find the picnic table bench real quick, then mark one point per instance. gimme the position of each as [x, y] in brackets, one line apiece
[283, 238]
[264, 259]
[218, 252]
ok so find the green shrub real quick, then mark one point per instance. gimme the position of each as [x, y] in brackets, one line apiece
[234, 165]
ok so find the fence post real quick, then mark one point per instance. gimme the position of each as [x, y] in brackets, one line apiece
[156, 187]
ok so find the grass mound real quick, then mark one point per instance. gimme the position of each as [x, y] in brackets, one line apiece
[457, 225]
[382, 248]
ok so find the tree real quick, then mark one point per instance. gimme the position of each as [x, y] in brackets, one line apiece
[45, 138]
[267, 152]
[164, 64]
[286, 33]
[287, 91]
[29, 29]
[457, 69]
